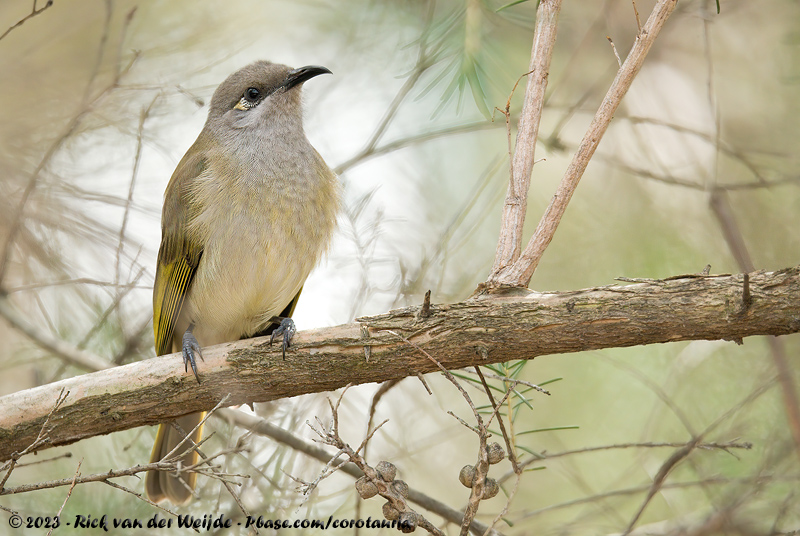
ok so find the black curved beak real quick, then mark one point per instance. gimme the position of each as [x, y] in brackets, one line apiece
[298, 76]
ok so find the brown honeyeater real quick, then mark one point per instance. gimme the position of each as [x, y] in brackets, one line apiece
[248, 212]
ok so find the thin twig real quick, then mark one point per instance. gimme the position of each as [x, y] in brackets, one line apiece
[482, 466]
[415, 139]
[616, 54]
[638, 20]
[59, 347]
[132, 184]
[101, 320]
[77, 281]
[187, 435]
[71, 127]
[658, 481]
[139, 496]
[717, 481]
[389, 488]
[69, 492]
[40, 440]
[27, 17]
[516, 382]
[424, 61]
[512, 457]
[446, 373]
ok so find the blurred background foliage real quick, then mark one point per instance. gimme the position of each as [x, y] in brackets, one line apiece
[100, 99]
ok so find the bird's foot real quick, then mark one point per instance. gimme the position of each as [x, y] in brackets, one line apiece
[285, 328]
[189, 347]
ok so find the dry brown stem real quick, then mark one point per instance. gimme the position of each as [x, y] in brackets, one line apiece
[518, 272]
[509, 242]
[385, 487]
[265, 428]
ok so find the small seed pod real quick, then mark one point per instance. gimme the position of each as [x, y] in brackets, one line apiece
[390, 512]
[467, 475]
[490, 488]
[496, 453]
[386, 471]
[365, 488]
[407, 522]
[400, 487]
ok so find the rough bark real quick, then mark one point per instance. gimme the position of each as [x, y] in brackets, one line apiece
[518, 324]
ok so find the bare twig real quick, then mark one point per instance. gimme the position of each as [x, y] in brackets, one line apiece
[510, 448]
[638, 20]
[519, 273]
[47, 460]
[40, 440]
[384, 481]
[412, 140]
[650, 445]
[658, 481]
[616, 54]
[65, 351]
[265, 428]
[99, 477]
[76, 281]
[516, 382]
[187, 435]
[711, 481]
[507, 114]
[101, 320]
[509, 242]
[682, 453]
[145, 113]
[481, 430]
[512, 457]
[35, 11]
[139, 496]
[72, 126]
[384, 388]
[424, 61]
[69, 493]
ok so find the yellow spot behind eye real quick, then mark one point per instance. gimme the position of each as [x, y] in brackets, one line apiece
[243, 105]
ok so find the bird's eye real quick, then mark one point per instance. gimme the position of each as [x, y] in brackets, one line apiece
[252, 94]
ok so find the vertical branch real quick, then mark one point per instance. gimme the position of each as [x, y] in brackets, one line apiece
[519, 273]
[509, 243]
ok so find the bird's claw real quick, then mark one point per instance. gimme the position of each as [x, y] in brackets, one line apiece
[189, 347]
[287, 329]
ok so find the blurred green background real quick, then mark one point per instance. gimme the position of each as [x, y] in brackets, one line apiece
[87, 86]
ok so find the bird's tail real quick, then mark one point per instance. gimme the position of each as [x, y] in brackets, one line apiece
[161, 485]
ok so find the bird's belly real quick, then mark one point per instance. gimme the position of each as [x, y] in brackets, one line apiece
[244, 279]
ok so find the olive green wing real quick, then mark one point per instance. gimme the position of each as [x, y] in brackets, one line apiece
[178, 255]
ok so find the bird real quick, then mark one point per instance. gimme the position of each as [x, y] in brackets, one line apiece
[248, 212]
